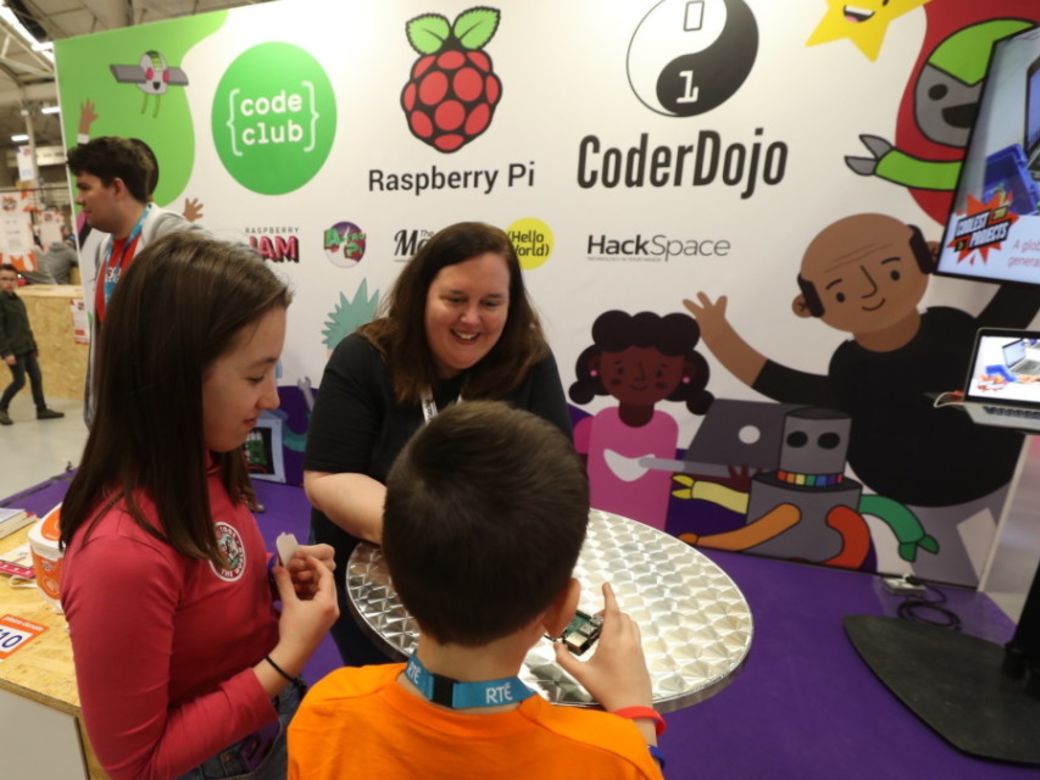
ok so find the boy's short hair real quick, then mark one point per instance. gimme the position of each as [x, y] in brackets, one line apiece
[110, 157]
[486, 510]
[8, 267]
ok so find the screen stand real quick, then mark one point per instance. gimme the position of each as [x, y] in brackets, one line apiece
[979, 697]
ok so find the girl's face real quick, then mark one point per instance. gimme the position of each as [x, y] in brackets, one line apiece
[466, 309]
[639, 376]
[240, 384]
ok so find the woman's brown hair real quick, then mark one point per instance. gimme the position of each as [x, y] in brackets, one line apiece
[178, 307]
[400, 334]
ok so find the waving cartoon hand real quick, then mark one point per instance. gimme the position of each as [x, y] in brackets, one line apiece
[711, 316]
[87, 116]
[867, 166]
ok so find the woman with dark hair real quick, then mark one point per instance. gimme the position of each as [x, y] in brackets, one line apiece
[181, 659]
[457, 324]
[640, 360]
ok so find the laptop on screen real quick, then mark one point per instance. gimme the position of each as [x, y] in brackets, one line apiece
[1003, 384]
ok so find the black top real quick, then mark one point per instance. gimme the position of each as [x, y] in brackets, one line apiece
[16, 337]
[358, 426]
[900, 445]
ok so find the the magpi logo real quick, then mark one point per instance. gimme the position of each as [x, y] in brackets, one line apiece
[453, 90]
[688, 57]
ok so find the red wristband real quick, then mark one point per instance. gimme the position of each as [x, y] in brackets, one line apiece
[643, 712]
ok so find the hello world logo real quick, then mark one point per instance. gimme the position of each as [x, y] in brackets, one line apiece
[451, 95]
[532, 240]
[274, 118]
[687, 58]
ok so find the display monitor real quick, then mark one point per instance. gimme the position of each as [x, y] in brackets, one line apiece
[1033, 116]
[984, 698]
[993, 230]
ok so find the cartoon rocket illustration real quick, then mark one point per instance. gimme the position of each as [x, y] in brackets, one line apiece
[152, 76]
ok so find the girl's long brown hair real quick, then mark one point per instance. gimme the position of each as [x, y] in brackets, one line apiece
[178, 307]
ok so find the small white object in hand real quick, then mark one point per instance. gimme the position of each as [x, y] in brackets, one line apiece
[286, 545]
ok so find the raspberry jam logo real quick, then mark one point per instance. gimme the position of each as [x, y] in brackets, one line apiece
[275, 243]
[234, 551]
[688, 57]
[345, 244]
[453, 90]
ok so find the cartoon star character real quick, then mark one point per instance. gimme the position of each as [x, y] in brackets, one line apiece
[864, 23]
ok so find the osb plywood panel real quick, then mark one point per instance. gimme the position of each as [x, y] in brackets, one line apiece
[62, 361]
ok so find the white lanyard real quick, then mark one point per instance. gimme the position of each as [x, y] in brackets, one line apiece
[429, 406]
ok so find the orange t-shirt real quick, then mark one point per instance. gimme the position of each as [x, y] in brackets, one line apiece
[359, 722]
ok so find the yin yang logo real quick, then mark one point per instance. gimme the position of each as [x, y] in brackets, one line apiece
[687, 57]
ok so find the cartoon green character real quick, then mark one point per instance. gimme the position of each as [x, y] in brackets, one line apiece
[936, 116]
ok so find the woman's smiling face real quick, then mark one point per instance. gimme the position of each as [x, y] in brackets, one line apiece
[466, 309]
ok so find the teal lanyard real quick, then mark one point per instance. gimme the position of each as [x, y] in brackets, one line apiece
[110, 274]
[465, 695]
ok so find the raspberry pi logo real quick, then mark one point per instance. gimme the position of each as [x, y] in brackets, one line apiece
[453, 90]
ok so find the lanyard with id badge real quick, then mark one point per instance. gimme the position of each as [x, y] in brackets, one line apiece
[110, 273]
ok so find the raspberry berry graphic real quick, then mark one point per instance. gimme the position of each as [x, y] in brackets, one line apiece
[453, 90]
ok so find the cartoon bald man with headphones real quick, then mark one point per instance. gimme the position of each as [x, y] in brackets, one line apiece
[865, 275]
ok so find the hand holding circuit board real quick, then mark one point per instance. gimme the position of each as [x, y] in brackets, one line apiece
[616, 675]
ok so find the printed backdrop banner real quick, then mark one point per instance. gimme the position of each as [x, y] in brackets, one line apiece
[783, 166]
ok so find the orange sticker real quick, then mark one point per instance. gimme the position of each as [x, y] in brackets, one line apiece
[15, 633]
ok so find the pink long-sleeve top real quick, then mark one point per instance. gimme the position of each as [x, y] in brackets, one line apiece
[164, 644]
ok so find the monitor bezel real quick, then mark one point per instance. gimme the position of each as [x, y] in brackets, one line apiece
[1033, 71]
[991, 400]
[950, 223]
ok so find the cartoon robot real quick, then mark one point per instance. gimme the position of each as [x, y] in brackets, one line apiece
[808, 509]
[152, 76]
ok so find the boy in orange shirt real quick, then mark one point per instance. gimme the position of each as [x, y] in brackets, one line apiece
[485, 515]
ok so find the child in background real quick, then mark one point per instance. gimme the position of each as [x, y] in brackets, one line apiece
[18, 349]
[486, 511]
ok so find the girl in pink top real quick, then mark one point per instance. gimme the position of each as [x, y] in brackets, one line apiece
[183, 664]
[641, 360]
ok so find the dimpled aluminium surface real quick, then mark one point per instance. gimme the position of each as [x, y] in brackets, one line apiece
[695, 623]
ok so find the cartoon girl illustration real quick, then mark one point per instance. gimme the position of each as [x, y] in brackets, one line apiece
[640, 360]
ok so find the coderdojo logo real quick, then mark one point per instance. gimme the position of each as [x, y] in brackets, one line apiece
[274, 118]
[686, 58]
[453, 90]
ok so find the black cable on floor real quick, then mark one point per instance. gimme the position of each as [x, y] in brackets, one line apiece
[922, 609]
